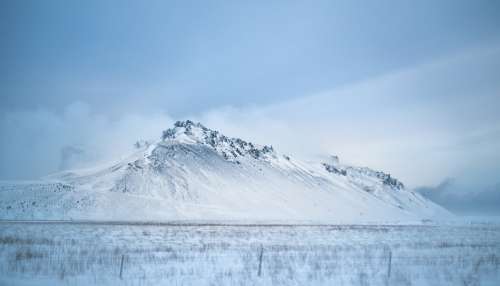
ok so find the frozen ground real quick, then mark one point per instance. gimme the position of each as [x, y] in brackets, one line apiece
[196, 254]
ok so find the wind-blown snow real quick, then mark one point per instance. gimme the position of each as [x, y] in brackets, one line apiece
[197, 173]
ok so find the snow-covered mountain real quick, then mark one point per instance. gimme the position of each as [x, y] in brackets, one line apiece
[195, 173]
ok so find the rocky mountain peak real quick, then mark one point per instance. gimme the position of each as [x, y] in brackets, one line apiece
[230, 148]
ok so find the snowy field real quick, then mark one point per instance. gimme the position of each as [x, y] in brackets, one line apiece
[196, 254]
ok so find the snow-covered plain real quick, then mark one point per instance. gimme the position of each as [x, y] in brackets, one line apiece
[74, 253]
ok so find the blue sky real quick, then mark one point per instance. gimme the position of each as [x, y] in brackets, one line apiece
[410, 87]
[190, 56]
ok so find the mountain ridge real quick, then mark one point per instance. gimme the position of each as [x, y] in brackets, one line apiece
[193, 172]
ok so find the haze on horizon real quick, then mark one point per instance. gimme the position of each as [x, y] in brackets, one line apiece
[411, 88]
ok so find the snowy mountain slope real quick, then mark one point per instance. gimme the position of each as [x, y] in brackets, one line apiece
[197, 173]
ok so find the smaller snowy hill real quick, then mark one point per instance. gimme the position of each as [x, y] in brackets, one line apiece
[196, 173]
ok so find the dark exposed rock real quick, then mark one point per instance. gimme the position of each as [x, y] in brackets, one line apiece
[384, 177]
[334, 170]
[229, 148]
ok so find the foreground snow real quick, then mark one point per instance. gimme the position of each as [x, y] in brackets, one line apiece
[198, 254]
[197, 173]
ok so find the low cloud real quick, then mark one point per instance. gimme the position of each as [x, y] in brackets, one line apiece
[38, 142]
[453, 196]
[70, 155]
[421, 125]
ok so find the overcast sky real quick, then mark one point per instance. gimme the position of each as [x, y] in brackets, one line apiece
[409, 87]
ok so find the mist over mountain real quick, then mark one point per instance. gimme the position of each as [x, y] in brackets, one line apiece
[479, 201]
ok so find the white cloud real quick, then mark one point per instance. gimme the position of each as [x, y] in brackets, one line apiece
[33, 142]
[412, 123]
[420, 124]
